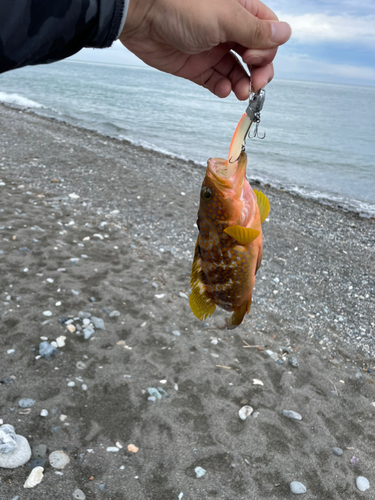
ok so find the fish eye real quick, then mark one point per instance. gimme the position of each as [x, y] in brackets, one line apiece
[206, 193]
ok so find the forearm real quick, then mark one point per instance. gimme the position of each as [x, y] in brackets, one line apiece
[35, 32]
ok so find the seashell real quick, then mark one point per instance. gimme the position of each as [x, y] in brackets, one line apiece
[35, 477]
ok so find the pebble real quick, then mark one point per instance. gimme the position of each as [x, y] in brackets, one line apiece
[154, 285]
[60, 341]
[78, 494]
[87, 332]
[113, 449]
[35, 477]
[183, 295]
[14, 449]
[245, 412]
[47, 313]
[58, 459]
[71, 328]
[154, 392]
[101, 487]
[132, 448]
[40, 451]
[46, 350]
[98, 323]
[354, 461]
[292, 414]
[272, 355]
[160, 295]
[86, 321]
[337, 451]
[26, 403]
[80, 365]
[257, 382]
[44, 413]
[297, 488]
[199, 472]
[84, 387]
[114, 314]
[180, 496]
[71, 384]
[362, 483]
[293, 362]
[84, 314]
[176, 333]
[37, 462]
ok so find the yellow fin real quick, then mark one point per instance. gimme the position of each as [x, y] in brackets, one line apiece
[263, 205]
[237, 316]
[244, 235]
[200, 304]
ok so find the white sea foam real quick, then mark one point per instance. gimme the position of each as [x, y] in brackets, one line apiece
[19, 101]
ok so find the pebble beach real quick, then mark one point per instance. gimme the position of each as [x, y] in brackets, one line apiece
[121, 393]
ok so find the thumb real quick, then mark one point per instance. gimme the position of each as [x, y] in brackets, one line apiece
[253, 33]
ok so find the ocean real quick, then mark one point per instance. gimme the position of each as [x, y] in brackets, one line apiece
[320, 138]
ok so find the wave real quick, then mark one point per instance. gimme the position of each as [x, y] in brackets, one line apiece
[19, 101]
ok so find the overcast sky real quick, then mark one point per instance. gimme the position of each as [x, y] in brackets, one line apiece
[332, 41]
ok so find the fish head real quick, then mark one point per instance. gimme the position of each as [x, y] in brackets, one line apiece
[222, 188]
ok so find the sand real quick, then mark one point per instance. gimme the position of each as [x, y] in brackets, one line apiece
[313, 300]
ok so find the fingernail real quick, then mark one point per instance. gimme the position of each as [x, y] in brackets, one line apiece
[254, 60]
[280, 32]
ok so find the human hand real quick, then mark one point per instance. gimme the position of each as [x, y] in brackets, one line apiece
[196, 40]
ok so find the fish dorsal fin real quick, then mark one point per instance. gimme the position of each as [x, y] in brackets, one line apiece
[200, 304]
[244, 235]
[263, 205]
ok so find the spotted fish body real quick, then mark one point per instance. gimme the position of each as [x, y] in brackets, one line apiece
[228, 251]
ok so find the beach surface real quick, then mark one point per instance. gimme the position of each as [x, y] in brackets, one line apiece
[92, 227]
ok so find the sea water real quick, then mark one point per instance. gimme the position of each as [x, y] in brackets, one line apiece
[320, 138]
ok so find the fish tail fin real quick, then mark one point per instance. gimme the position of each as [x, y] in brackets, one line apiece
[200, 304]
[238, 315]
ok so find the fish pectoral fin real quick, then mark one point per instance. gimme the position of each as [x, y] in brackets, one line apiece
[263, 205]
[238, 315]
[244, 235]
[200, 304]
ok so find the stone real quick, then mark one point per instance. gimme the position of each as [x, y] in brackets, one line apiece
[44, 413]
[26, 403]
[114, 314]
[362, 483]
[40, 451]
[176, 333]
[245, 412]
[58, 459]
[337, 451]
[112, 449]
[154, 392]
[199, 472]
[293, 362]
[37, 462]
[84, 314]
[98, 323]
[46, 350]
[78, 494]
[132, 448]
[14, 449]
[60, 341]
[297, 488]
[88, 332]
[272, 355]
[71, 328]
[292, 414]
[35, 477]
[47, 313]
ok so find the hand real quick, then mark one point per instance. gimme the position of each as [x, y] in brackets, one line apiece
[198, 39]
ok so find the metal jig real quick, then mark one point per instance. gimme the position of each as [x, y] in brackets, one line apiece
[253, 110]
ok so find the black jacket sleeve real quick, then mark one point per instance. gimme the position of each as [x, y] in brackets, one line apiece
[44, 31]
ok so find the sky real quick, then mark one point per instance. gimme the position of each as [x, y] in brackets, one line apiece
[333, 41]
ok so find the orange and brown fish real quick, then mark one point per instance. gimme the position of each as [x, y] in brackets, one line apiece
[228, 251]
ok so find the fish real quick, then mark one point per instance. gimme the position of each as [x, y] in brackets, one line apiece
[229, 247]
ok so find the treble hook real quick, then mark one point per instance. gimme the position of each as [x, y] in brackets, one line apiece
[256, 101]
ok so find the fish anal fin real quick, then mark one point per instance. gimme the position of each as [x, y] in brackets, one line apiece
[244, 235]
[238, 315]
[200, 304]
[263, 205]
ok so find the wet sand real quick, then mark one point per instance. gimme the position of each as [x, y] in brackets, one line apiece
[128, 216]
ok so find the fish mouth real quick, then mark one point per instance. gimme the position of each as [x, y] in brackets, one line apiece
[225, 173]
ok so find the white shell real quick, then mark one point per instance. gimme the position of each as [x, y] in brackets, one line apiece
[35, 477]
[257, 382]
[245, 412]
[58, 459]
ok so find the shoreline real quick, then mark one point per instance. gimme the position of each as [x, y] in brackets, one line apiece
[94, 226]
[335, 201]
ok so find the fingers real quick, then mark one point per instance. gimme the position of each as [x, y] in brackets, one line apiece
[261, 76]
[248, 30]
